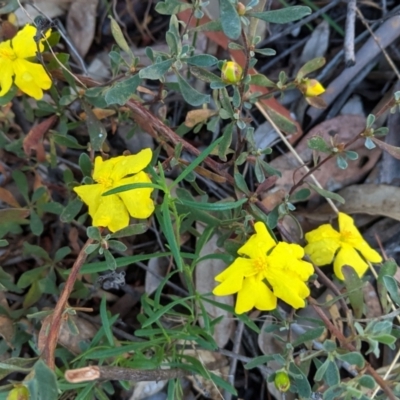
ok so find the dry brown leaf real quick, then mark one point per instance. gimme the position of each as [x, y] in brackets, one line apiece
[74, 342]
[100, 113]
[335, 313]
[194, 117]
[156, 270]
[81, 24]
[34, 138]
[205, 273]
[331, 177]
[214, 362]
[373, 305]
[7, 197]
[372, 199]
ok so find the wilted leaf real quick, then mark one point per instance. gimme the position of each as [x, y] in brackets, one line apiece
[195, 117]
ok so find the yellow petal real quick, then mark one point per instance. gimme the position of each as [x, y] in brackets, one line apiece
[90, 195]
[254, 293]
[137, 201]
[290, 288]
[240, 267]
[259, 243]
[368, 253]
[313, 88]
[132, 164]
[229, 286]
[31, 78]
[24, 44]
[322, 252]
[6, 75]
[322, 232]
[349, 256]
[111, 213]
[352, 236]
[103, 169]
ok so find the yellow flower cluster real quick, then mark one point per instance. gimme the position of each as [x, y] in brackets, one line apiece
[266, 270]
[113, 211]
[30, 78]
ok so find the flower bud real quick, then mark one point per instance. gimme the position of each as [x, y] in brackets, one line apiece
[312, 88]
[241, 9]
[231, 72]
[282, 382]
[20, 392]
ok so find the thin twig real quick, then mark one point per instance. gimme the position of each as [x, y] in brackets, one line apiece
[294, 152]
[236, 347]
[388, 59]
[54, 329]
[349, 56]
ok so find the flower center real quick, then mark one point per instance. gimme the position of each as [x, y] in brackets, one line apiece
[346, 236]
[8, 52]
[260, 264]
[106, 182]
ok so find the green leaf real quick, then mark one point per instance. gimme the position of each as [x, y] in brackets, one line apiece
[22, 183]
[169, 232]
[156, 71]
[205, 75]
[301, 195]
[370, 120]
[131, 230]
[105, 321]
[119, 37]
[202, 156]
[131, 186]
[241, 184]
[300, 380]
[85, 164]
[367, 381]
[226, 141]
[122, 91]
[43, 385]
[36, 224]
[265, 52]
[311, 334]
[191, 95]
[354, 287]
[310, 66]
[230, 19]
[385, 339]
[97, 132]
[391, 286]
[283, 123]
[219, 206]
[8, 96]
[319, 144]
[282, 16]
[67, 141]
[353, 358]
[332, 376]
[327, 194]
[201, 60]
[169, 7]
[71, 210]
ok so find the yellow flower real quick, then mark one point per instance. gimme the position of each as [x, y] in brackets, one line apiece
[231, 72]
[31, 78]
[312, 88]
[271, 271]
[325, 244]
[113, 211]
